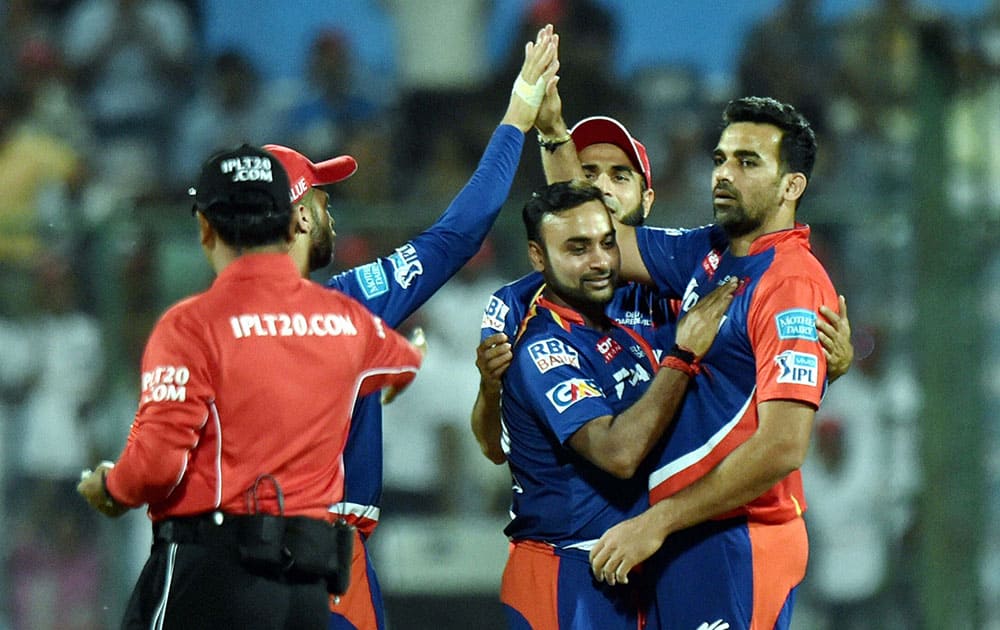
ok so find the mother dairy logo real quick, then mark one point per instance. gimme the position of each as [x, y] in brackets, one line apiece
[796, 323]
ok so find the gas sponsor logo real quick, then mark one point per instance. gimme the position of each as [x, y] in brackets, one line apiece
[406, 265]
[291, 325]
[165, 383]
[495, 314]
[569, 392]
[371, 278]
[798, 368]
[552, 353]
[796, 323]
[609, 348]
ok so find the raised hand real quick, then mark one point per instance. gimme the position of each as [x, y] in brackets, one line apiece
[541, 62]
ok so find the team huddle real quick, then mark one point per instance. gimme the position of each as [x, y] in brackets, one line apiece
[652, 390]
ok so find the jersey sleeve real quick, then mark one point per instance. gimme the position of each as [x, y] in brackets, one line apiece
[558, 383]
[672, 255]
[782, 327]
[395, 286]
[174, 404]
[389, 358]
[508, 306]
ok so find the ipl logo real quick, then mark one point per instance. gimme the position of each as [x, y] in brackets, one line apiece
[799, 368]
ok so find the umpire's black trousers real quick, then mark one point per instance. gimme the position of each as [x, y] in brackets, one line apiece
[203, 585]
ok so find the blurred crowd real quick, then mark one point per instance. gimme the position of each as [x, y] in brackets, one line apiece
[108, 107]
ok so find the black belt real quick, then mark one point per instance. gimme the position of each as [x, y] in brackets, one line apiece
[293, 546]
[215, 528]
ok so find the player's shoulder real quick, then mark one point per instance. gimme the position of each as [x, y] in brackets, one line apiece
[795, 261]
[508, 305]
[710, 233]
[523, 289]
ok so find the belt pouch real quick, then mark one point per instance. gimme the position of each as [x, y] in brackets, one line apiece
[319, 548]
[261, 541]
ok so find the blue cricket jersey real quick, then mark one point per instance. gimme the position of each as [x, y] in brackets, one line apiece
[563, 375]
[395, 286]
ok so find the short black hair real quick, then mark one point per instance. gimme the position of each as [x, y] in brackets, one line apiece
[797, 151]
[249, 220]
[556, 198]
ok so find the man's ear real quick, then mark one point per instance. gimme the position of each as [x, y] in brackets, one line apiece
[301, 219]
[536, 255]
[206, 233]
[648, 196]
[795, 186]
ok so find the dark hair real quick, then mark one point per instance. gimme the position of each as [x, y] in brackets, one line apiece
[556, 198]
[249, 219]
[797, 151]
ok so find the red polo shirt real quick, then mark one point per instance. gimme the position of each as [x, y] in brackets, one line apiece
[256, 376]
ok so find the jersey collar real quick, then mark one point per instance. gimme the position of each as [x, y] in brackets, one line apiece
[259, 267]
[764, 242]
[563, 315]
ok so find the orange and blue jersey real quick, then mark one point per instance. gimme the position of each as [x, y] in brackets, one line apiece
[767, 348]
[394, 287]
[636, 306]
[563, 375]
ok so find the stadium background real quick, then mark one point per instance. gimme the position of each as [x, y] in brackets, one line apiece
[99, 139]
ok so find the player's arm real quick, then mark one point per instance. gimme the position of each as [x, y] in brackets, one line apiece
[777, 448]
[559, 159]
[618, 444]
[835, 335]
[395, 286]
[560, 163]
[493, 357]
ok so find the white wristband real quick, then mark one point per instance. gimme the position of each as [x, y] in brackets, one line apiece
[530, 94]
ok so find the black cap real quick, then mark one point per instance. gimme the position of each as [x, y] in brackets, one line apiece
[247, 179]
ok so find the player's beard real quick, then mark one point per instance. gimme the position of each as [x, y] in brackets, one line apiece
[733, 216]
[582, 297]
[320, 246]
[633, 217]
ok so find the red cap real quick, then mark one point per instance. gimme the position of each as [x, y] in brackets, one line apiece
[600, 130]
[303, 174]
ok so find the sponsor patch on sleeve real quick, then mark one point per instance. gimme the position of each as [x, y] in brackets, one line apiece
[551, 353]
[406, 265]
[569, 392]
[798, 368]
[371, 278]
[796, 323]
[495, 314]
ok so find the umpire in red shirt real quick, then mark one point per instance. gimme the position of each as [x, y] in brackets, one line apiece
[246, 396]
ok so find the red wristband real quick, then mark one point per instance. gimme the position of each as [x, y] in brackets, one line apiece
[688, 368]
[681, 359]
